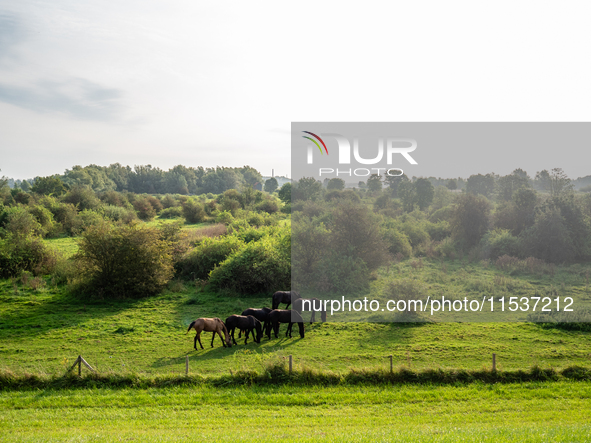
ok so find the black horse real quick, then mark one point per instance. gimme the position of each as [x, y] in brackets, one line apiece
[287, 297]
[278, 316]
[244, 323]
[310, 304]
[261, 315]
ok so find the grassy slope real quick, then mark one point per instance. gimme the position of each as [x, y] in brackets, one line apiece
[527, 412]
[44, 331]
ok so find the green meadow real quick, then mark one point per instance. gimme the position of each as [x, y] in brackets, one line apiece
[529, 412]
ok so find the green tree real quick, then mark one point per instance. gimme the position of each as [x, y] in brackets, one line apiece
[509, 184]
[51, 185]
[285, 193]
[407, 192]
[393, 183]
[424, 193]
[555, 182]
[307, 188]
[451, 184]
[481, 184]
[271, 185]
[374, 183]
[470, 219]
[124, 260]
[335, 184]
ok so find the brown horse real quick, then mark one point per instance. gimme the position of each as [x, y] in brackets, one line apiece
[214, 325]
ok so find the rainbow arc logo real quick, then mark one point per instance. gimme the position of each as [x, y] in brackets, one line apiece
[315, 142]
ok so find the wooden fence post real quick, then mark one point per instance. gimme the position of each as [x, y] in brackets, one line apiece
[290, 363]
[391, 364]
[80, 361]
[494, 367]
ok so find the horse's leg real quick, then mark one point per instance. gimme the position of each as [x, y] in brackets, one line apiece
[289, 329]
[247, 331]
[232, 335]
[198, 337]
[276, 329]
[212, 338]
[313, 318]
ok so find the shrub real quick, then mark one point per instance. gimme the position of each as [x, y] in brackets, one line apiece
[224, 217]
[500, 242]
[438, 231]
[262, 266]
[19, 222]
[193, 211]
[340, 274]
[117, 213]
[124, 260]
[20, 253]
[145, 210]
[397, 242]
[267, 205]
[86, 219]
[83, 198]
[198, 263]
[172, 212]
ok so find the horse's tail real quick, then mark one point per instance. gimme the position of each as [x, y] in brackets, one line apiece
[191, 325]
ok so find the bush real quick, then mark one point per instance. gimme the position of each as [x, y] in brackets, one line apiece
[224, 217]
[117, 213]
[500, 242]
[269, 206]
[145, 210]
[193, 211]
[262, 266]
[199, 262]
[19, 222]
[171, 212]
[86, 219]
[397, 242]
[124, 260]
[82, 198]
[20, 253]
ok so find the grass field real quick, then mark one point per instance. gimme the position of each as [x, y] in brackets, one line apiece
[43, 330]
[530, 412]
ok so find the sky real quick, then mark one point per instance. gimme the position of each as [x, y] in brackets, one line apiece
[219, 83]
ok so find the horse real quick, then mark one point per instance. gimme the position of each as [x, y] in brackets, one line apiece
[284, 297]
[310, 304]
[244, 323]
[214, 325]
[261, 315]
[285, 316]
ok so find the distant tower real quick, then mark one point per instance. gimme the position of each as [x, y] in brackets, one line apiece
[272, 172]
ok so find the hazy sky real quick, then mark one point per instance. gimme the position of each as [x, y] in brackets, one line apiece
[218, 83]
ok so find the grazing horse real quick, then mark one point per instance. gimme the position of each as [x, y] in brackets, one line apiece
[287, 297]
[285, 316]
[244, 323]
[310, 304]
[214, 325]
[261, 315]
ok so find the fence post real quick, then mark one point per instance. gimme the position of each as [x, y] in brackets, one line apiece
[290, 363]
[187, 366]
[391, 364]
[494, 367]
[79, 366]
